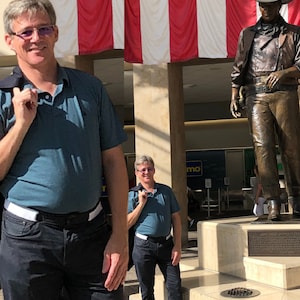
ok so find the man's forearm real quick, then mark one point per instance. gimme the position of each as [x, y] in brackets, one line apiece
[116, 178]
[176, 220]
[9, 147]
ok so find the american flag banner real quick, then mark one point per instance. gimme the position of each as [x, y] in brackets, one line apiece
[157, 31]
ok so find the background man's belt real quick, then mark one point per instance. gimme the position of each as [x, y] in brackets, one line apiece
[156, 239]
[59, 219]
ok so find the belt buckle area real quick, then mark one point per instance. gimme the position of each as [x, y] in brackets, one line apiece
[262, 88]
[75, 219]
[260, 79]
[160, 239]
[63, 221]
[266, 89]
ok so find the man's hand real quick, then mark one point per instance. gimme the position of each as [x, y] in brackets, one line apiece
[176, 255]
[115, 262]
[143, 197]
[25, 105]
[25, 109]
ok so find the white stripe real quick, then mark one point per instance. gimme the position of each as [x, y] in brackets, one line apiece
[141, 236]
[285, 12]
[22, 212]
[31, 214]
[118, 23]
[211, 19]
[66, 13]
[155, 31]
[258, 14]
[94, 213]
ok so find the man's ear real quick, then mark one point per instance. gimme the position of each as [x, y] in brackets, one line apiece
[56, 33]
[9, 41]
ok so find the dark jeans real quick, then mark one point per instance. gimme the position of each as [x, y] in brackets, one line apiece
[1, 210]
[146, 255]
[38, 260]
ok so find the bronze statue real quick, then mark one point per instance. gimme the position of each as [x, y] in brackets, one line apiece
[267, 66]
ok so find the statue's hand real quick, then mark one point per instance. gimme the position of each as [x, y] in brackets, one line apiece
[275, 78]
[235, 108]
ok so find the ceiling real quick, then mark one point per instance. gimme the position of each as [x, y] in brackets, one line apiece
[209, 82]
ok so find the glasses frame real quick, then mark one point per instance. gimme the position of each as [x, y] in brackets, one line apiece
[27, 34]
[143, 171]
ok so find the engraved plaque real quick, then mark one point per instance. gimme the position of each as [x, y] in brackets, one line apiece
[274, 242]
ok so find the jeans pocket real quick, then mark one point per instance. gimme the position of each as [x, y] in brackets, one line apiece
[17, 227]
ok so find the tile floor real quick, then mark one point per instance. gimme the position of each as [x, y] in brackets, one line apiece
[207, 285]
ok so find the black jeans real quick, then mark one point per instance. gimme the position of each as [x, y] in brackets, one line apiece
[146, 255]
[39, 260]
[1, 210]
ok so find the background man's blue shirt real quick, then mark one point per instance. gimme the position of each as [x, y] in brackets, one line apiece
[156, 216]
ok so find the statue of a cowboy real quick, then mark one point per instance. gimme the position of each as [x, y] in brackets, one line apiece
[267, 66]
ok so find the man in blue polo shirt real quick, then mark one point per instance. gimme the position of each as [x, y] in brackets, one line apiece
[58, 134]
[153, 211]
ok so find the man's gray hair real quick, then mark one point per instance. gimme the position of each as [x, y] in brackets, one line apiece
[17, 7]
[143, 159]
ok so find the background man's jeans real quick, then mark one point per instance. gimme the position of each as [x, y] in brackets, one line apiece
[146, 254]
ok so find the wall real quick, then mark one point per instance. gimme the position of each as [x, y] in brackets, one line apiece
[214, 134]
[216, 143]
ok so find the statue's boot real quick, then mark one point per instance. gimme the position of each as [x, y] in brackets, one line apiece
[274, 210]
[295, 203]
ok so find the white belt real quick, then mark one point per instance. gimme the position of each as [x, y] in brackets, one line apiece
[146, 237]
[31, 214]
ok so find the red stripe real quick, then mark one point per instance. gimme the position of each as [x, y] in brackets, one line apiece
[183, 30]
[293, 13]
[238, 16]
[133, 40]
[95, 30]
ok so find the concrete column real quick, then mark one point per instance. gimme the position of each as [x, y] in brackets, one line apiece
[85, 63]
[159, 126]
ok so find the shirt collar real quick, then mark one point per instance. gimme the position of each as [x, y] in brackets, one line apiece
[279, 26]
[139, 187]
[17, 78]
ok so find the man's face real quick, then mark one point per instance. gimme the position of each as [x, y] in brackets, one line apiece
[269, 11]
[145, 173]
[32, 41]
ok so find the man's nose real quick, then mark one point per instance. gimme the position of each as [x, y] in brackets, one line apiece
[35, 34]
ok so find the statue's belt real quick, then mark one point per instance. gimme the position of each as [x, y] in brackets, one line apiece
[260, 88]
[262, 80]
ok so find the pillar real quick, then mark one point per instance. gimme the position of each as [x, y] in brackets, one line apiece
[159, 126]
[85, 63]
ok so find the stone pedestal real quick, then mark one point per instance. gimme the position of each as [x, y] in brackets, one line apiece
[223, 246]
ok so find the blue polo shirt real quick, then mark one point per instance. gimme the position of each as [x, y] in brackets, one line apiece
[58, 168]
[156, 217]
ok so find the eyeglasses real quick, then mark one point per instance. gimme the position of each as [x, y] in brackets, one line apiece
[41, 30]
[146, 169]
